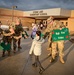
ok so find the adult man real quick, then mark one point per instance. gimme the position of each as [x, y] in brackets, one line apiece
[53, 25]
[48, 33]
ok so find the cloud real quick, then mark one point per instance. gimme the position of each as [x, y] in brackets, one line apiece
[8, 3]
[37, 4]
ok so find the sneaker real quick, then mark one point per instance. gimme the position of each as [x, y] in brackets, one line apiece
[34, 64]
[62, 61]
[41, 70]
[3, 55]
[14, 51]
[20, 47]
[52, 60]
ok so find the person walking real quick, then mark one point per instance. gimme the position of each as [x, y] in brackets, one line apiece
[36, 48]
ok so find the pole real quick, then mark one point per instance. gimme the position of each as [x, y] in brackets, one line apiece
[13, 7]
[12, 13]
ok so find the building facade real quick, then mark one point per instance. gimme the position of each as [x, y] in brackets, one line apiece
[27, 17]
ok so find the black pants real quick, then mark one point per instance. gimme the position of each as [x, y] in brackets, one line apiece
[37, 61]
[4, 53]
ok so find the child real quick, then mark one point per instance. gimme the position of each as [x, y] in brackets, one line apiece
[36, 48]
[34, 29]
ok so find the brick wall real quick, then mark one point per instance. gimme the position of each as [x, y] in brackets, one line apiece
[6, 17]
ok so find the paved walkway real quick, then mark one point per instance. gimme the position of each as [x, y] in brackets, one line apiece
[21, 64]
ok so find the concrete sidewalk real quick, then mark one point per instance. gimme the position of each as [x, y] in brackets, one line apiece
[21, 64]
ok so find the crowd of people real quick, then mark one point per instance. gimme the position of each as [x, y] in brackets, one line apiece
[11, 36]
[38, 38]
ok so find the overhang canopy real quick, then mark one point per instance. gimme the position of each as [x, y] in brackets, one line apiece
[45, 13]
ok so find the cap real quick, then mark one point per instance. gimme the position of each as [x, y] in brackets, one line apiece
[50, 18]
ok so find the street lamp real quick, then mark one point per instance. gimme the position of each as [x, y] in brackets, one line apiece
[13, 7]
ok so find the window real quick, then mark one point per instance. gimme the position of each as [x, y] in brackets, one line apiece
[66, 23]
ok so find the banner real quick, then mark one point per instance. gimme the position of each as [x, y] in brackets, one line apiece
[62, 34]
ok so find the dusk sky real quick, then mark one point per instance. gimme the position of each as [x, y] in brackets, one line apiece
[27, 5]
